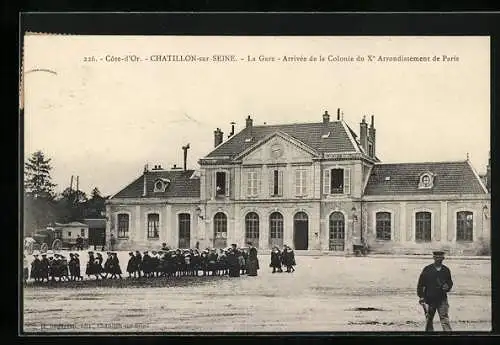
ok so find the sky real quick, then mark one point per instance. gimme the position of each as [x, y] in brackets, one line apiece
[104, 120]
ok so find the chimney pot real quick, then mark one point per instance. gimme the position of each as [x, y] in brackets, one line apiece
[218, 137]
[338, 114]
[249, 122]
[326, 117]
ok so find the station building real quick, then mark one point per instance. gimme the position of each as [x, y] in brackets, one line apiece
[313, 186]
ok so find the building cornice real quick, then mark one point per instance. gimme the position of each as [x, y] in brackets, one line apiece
[438, 197]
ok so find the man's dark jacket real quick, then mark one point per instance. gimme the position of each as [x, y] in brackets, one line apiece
[430, 284]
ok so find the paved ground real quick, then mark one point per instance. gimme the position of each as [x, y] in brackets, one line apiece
[324, 294]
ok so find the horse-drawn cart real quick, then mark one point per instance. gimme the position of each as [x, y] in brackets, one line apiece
[42, 240]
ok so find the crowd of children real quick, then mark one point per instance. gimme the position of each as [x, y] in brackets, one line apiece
[165, 262]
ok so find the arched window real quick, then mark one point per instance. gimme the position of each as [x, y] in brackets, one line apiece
[153, 225]
[252, 228]
[276, 229]
[123, 225]
[465, 226]
[383, 226]
[220, 230]
[337, 231]
[423, 226]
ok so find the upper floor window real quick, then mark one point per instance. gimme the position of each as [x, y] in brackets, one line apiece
[465, 226]
[300, 182]
[153, 225]
[221, 183]
[252, 183]
[423, 226]
[383, 226]
[123, 225]
[276, 182]
[337, 181]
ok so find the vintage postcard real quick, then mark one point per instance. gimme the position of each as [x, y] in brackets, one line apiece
[256, 184]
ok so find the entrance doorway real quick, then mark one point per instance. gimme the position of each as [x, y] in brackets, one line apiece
[301, 231]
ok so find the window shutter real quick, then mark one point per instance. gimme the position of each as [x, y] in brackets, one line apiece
[304, 182]
[347, 181]
[280, 183]
[257, 182]
[214, 184]
[298, 189]
[326, 181]
[271, 182]
[227, 182]
[248, 182]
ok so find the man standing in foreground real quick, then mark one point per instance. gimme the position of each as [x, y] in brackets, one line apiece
[433, 285]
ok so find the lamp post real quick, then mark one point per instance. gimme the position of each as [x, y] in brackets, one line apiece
[354, 220]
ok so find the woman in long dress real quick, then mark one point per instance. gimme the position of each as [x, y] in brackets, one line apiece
[253, 261]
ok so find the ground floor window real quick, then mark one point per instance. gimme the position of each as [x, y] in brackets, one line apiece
[153, 225]
[252, 228]
[423, 226]
[383, 226]
[123, 225]
[465, 226]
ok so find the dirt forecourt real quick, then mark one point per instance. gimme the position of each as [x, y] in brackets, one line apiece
[325, 293]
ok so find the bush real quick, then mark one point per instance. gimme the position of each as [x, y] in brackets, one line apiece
[483, 247]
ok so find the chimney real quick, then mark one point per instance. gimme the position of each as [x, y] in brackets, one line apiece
[371, 135]
[363, 134]
[218, 137]
[232, 130]
[144, 189]
[249, 122]
[185, 148]
[338, 114]
[326, 117]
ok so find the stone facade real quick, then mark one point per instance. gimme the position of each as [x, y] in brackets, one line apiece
[276, 189]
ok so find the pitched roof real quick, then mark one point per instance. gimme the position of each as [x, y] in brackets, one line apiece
[308, 133]
[74, 224]
[450, 178]
[181, 185]
[95, 223]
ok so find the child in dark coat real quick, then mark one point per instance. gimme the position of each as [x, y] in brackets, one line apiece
[131, 265]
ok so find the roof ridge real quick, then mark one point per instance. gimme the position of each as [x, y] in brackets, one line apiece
[428, 162]
[294, 124]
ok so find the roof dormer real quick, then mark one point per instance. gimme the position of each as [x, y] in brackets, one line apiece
[161, 184]
[426, 180]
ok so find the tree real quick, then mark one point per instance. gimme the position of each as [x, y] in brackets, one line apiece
[71, 205]
[39, 207]
[96, 206]
[37, 179]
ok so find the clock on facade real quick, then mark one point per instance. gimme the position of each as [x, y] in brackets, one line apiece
[276, 150]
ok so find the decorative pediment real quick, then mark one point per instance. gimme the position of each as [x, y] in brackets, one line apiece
[278, 146]
[426, 180]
